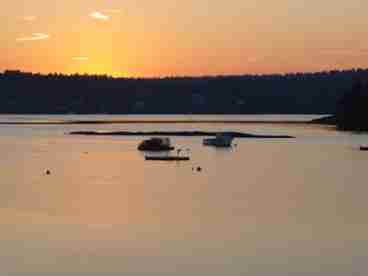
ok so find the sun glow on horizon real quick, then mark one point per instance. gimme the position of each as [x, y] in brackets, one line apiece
[90, 66]
[188, 38]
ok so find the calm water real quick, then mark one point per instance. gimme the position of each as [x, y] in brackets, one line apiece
[266, 207]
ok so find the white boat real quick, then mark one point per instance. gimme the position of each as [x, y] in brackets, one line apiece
[221, 140]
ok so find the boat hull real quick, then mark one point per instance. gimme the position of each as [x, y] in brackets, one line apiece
[156, 144]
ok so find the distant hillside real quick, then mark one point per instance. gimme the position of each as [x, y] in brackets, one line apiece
[352, 111]
[301, 93]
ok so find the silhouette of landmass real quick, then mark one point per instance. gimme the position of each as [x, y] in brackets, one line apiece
[352, 110]
[299, 93]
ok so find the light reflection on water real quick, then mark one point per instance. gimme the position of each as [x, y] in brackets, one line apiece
[275, 207]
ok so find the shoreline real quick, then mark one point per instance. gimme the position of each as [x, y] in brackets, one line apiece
[107, 122]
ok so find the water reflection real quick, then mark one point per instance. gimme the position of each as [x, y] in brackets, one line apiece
[264, 208]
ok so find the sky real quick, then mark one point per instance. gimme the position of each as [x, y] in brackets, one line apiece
[145, 38]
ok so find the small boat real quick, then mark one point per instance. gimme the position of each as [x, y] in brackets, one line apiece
[221, 140]
[364, 148]
[167, 158]
[156, 144]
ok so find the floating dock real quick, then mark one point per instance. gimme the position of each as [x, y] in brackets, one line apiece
[167, 158]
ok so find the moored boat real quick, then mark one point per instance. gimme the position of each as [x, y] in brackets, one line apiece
[156, 144]
[221, 140]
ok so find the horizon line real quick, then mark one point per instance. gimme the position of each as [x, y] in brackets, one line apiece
[186, 76]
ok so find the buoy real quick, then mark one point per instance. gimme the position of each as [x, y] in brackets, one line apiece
[199, 169]
[48, 172]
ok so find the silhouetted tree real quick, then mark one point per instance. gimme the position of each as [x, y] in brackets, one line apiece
[352, 111]
[309, 93]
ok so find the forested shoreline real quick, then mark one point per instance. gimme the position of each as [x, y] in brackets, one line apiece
[299, 93]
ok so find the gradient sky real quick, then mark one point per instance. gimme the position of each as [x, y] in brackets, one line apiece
[191, 37]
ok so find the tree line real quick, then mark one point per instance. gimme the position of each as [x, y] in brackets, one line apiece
[352, 109]
[299, 93]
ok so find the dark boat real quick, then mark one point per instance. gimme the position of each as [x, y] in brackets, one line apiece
[167, 158]
[156, 144]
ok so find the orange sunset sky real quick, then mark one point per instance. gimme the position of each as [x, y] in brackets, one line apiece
[193, 37]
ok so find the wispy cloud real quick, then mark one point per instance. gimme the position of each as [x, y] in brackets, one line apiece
[35, 36]
[30, 18]
[80, 58]
[99, 16]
